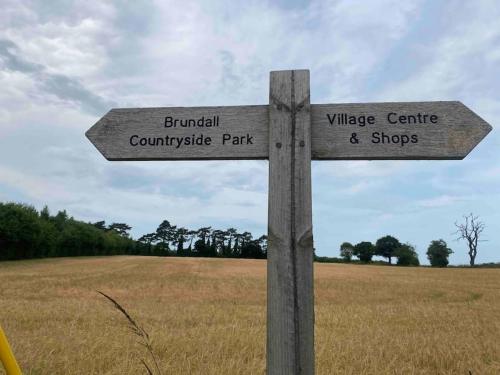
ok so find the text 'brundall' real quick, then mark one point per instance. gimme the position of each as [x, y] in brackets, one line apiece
[206, 122]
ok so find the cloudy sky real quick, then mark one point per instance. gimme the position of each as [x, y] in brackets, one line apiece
[64, 64]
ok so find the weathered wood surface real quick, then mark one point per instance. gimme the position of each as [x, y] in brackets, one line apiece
[425, 130]
[290, 295]
[232, 132]
[421, 130]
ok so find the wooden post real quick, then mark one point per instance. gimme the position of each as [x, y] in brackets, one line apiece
[290, 292]
[282, 132]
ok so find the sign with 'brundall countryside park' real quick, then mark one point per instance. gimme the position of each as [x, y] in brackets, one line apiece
[424, 130]
[290, 132]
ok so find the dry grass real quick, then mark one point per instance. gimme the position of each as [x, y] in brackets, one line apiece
[207, 316]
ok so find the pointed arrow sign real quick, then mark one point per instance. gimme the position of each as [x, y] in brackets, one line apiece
[420, 130]
[183, 133]
[413, 131]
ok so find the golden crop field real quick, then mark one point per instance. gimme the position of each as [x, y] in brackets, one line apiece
[207, 316]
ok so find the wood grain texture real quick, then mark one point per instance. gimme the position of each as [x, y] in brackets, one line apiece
[115, 134]
[290, 297]
[454, 133]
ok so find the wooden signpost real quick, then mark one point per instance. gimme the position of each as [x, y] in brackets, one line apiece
[289, 132]
[183, 133]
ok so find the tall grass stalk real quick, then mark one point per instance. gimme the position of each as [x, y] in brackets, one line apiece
[141, 333]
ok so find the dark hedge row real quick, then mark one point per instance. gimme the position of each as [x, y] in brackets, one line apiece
[26, 233]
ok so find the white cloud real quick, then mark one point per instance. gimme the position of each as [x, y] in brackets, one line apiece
[32, 186]
[457, 63]
[440, 201]
[359, 168]
[65, 66]
[361, 186]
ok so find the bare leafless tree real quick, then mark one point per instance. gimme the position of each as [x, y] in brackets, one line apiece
[470, 231]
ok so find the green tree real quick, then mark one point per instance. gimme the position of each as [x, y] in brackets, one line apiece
[346, 251]
[407, 256]
[252, 249]
[20, 231]
[26, 234]
[204, 233]
[262, 242]
[78, 239]
[181, 235]
[60, 219]
[100, 225]
[386, 247]
[121, 228]
[246, 237]
[203, 249]
[228, 250]
[218, 238]
[364, 251]
[147, 241]
[47, 245]
[438, 253]
[45, 213]
[191, 234]
[165, 234]
[238, 238]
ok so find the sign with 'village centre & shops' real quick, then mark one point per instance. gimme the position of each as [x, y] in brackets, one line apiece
[418, 130]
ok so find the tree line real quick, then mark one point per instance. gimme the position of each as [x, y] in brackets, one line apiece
[204, 242]
[437, 253]
[26, 233]
[390, 247]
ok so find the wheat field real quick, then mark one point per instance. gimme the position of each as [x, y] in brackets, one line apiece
[207, 316]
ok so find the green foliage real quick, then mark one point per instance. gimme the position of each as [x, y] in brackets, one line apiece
[165, 233]
[328, 259]
[407, 256]
[346, 251]
[252, 250]
[438, 253]
[364, 251]
[181, 236]
[121, 228]
[20, 231]
[203, 249]
[262, 242]
[100, 225]
[25, 233]
[45, 213]
[203, 233]
[386, 247]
